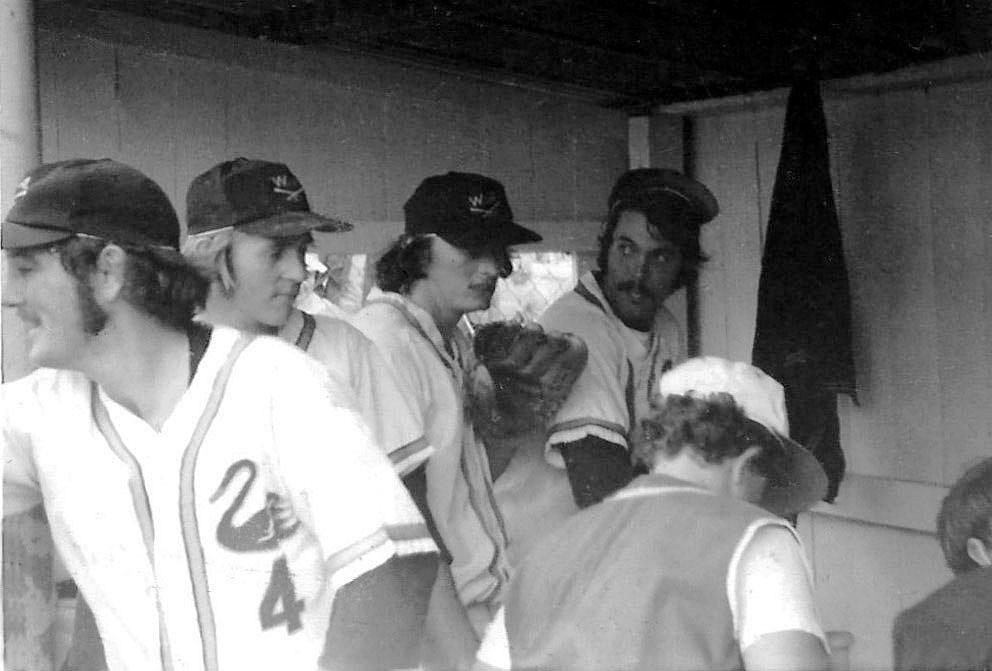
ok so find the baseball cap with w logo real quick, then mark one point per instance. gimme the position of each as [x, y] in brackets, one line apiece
[253, 196]
[466, 210]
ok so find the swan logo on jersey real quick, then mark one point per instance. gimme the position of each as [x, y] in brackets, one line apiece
[265, 528]
[260, 532]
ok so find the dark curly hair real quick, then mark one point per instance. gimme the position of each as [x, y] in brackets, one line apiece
[406, 260]
[715, 427]
[157, 281]
[966, 512]
[403, 263]
[668, 217]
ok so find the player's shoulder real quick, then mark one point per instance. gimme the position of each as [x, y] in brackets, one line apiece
[47, 387]
[573, 313]
[339, 330]
[385, 325]
[263, 353]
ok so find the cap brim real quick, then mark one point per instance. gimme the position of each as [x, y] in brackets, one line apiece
[289, 224]
[19, 236]
[699, 197]
[506, 234]
[803, 483]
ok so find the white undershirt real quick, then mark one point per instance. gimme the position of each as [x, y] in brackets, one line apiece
[771, 588]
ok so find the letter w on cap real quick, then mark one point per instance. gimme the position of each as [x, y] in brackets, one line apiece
[477, 205]
[280, 184]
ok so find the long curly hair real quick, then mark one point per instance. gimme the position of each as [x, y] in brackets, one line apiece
[157, 281]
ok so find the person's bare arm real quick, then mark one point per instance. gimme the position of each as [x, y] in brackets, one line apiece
[786, 651]
[596, 468]
[779, 626]
[377, 622]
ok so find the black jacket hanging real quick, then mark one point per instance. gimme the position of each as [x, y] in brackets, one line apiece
[803, 332]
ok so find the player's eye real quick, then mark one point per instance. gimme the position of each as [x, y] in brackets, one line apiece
[23, 267]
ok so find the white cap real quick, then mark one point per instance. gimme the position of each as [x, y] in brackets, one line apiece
[762, 399]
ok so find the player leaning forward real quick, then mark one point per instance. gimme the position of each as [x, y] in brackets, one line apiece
[689, 566]
[188, 478]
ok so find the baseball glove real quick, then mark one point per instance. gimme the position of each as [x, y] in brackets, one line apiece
[528, 375]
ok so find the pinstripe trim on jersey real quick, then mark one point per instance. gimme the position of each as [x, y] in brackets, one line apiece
[306, 331]
[497, 536]
[139, 499]
[587, 421]
[411, 455]
[411, 539]
[187, 509]
[355, 551]
[501, 576]
[583, 290]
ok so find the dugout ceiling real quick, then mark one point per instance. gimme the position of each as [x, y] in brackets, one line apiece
[630, 55]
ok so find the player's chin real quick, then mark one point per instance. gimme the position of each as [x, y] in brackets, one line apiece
[478, 301]
[279, 314]
[43, 355]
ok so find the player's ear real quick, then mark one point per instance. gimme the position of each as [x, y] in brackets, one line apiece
[979, 552]
[108, 280]
[746, 482]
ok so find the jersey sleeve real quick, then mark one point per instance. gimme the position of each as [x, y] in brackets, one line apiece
[343, 489]
[21, 490]
[771, 588]
[396, 426]
[597, 405]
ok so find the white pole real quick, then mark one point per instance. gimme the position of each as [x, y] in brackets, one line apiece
[28, 592]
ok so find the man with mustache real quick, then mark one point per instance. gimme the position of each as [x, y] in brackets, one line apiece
[648, 249]
[458, 227]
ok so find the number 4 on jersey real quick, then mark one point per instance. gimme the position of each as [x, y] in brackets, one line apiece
[281, 589]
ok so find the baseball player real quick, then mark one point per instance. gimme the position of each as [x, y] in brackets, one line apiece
[649, 248]
[457, 230]
[249, 224]
[212, 493]
[690, 566]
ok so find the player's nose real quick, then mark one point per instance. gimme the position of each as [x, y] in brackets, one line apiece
[11, 289]
[292, 267]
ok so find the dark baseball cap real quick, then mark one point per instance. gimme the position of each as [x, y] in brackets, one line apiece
[643, 185]
[253, 196]
[466, 210]
[97, 197]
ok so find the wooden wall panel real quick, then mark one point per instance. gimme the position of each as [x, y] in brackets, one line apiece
[199, 125]
[861, 583]
[146, 101]
[84, 111]
[960, 127]
[725, 162]
[360, 133]
[912, 175]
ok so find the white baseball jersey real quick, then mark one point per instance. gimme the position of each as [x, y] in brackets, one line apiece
[459, 485]
[355, 362]
[607, 400]
[216, 542]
